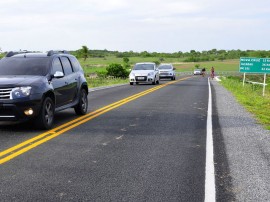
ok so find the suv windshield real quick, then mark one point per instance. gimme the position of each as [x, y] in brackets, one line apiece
[165, 67]
[24, 66]
[143, 67]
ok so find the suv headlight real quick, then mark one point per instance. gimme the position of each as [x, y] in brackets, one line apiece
[132, 75]
[20, 92]
[151, 74]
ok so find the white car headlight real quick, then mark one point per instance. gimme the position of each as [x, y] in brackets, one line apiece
[151, 74]
[131, 75]
[20, 92]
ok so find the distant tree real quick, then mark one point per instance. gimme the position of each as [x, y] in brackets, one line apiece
[145, 54]
[84, 52]
[161, 59]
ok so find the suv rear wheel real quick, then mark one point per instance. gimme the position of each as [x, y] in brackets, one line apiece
[81, 107]
[46, 115]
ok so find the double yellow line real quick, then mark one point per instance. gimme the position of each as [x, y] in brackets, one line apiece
[27, 145]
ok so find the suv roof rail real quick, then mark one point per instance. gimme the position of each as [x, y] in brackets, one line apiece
[52, 52]
[12, 53]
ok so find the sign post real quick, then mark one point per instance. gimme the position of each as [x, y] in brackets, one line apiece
[244, 79]
[255, 66]
[264, 84]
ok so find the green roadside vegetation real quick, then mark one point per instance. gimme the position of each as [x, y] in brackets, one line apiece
[226, 65]
[250, 96]
[100, 81]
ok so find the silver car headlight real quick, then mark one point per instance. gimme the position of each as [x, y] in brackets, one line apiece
[151, 74]
[20, 92]
[131, 75]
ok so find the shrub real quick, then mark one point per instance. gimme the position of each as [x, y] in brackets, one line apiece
[117, 70]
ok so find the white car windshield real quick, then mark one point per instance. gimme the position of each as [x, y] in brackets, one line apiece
[165, 67]
[143, 67]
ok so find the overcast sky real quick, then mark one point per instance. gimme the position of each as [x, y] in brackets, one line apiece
[137, 25]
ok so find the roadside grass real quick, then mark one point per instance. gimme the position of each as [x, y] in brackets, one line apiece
[93, 69]
[93, 65]
[250, 96]
[102, 81]
[226, 65]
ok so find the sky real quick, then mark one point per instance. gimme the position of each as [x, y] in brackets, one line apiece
[135, 25]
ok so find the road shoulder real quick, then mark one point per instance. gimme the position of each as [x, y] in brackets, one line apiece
[246, 148]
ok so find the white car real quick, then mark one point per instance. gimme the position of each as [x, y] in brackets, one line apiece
[144, 73]
[166, 71]
[197, 72]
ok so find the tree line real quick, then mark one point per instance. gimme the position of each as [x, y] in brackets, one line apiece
[191, 56]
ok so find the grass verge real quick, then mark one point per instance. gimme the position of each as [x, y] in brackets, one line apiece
[99, 82]
[250, 96]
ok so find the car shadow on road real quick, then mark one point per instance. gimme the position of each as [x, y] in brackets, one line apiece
[29, 126]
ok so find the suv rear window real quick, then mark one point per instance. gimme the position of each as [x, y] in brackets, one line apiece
[24, 66]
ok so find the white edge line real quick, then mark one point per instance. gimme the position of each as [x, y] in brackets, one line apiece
[210, 187]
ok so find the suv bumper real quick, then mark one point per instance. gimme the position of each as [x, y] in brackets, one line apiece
[15, 111]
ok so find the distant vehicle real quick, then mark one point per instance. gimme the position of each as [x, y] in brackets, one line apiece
[144, 73]
[197, 72]
[166, 71]
[36, 85]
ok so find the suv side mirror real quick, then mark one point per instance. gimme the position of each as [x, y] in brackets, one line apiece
[58, 74]
[174, 68]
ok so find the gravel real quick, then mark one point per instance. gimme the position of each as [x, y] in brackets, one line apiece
[247, 146]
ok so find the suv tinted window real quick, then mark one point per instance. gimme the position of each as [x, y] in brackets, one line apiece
[24, 66]
[76, 65]
[57, 66]
[67, 66]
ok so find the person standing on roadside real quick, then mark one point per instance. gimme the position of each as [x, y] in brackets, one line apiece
[212, 72]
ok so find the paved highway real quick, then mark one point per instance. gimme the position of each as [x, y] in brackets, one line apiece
[137, 143]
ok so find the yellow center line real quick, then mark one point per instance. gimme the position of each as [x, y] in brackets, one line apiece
[44, 137]
[53, 131]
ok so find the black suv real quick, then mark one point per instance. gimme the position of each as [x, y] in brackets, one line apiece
[36, 85]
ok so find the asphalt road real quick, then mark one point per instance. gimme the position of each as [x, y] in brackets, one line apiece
[149, 149]
[149, 146]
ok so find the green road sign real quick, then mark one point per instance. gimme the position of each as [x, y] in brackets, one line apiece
[255, 65]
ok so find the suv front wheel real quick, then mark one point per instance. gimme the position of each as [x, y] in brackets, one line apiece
[81, 107]
[46, 114]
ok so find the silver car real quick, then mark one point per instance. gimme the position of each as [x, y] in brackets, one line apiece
[166, 71]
